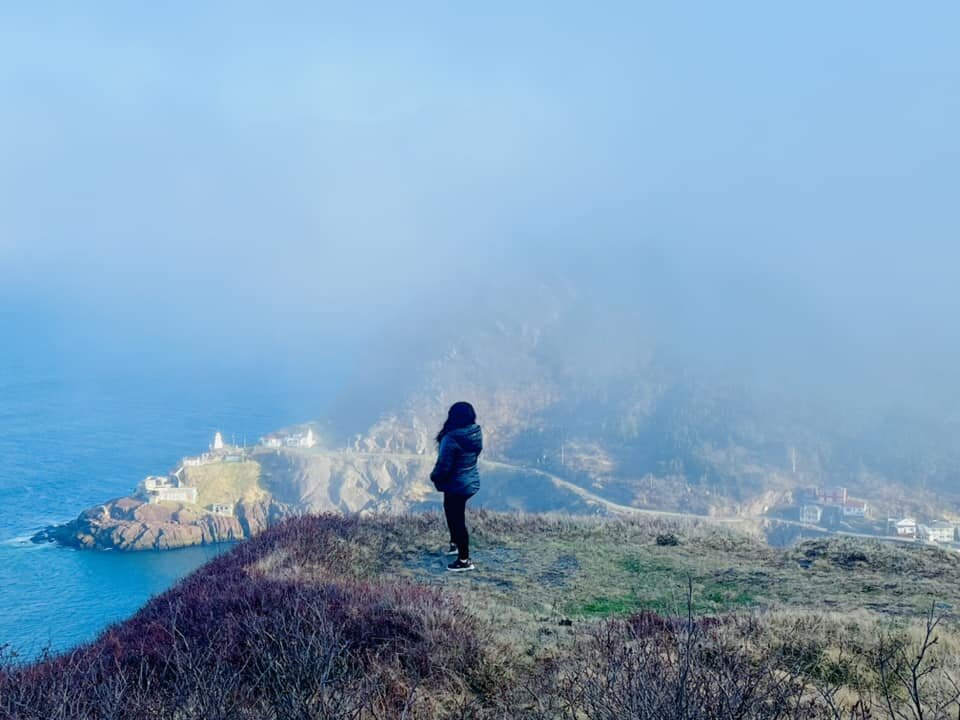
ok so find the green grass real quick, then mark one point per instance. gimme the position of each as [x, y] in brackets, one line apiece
[534, 571]
[662, 586]
[603, 606]
[226, 482]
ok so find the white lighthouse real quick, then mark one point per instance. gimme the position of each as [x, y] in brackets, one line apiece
[217, 442]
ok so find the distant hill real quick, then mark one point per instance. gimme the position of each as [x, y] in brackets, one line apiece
[597, 400]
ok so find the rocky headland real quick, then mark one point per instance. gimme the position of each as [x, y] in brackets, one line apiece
[130, 523]
[212, 498]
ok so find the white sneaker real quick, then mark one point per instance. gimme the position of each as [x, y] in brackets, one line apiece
[452, 549]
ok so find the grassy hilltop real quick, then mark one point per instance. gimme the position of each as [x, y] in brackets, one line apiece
[349, 617]
[226, 483]
[134, 523]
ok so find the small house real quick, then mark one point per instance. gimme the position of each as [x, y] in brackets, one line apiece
[907, 527]
[306, 439]
[153, 483]
[855, 509]
[938, 532]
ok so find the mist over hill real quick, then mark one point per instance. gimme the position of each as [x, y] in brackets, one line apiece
[609, 396]
[590, 404]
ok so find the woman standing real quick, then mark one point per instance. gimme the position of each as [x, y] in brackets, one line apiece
[456, 476]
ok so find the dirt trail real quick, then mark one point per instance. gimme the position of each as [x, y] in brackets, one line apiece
[595, 499]
[617, 508]
[586, 495]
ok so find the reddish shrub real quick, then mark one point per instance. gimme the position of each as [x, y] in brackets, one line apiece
[229, 640]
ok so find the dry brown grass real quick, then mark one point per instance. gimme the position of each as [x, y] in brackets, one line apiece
[355, 617]
[226, 482]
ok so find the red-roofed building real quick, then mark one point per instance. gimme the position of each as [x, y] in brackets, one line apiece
[854, 508]
[832, 496]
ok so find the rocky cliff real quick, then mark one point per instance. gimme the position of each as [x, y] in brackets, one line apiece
[129, 523]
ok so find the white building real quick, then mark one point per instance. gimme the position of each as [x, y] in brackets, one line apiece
[217, 442]
[222, 509]
[306, 439]
[153, 483]
[906, 528]
[156, 489]
[937, 532]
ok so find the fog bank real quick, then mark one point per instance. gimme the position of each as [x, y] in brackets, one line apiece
[763, 192]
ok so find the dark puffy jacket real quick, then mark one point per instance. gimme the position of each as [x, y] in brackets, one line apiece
[456, 468]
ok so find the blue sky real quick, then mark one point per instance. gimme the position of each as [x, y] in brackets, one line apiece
[754, 166]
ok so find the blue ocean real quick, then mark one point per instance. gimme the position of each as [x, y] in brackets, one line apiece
[71, 437]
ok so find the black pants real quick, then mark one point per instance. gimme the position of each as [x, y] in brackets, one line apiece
[454, 507]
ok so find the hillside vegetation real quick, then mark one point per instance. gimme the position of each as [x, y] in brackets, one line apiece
[226, 483]
[356, 617]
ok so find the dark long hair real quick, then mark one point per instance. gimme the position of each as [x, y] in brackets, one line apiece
[461, 415]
